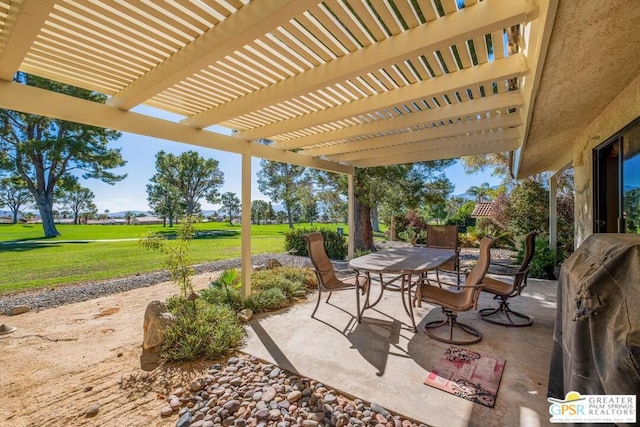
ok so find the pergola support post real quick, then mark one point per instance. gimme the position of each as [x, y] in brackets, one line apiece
[553, 212]
[246, 224]
[351, 218]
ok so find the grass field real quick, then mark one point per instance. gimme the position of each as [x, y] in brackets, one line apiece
[83, 253]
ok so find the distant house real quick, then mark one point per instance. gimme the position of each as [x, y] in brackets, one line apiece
[107, 221]
[63, 220]
[146, 220]
[483, 209]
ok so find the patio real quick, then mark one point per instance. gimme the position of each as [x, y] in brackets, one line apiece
[381, 360]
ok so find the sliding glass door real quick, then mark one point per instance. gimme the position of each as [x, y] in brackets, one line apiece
[616, 207]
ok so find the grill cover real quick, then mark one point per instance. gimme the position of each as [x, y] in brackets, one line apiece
[596, 340]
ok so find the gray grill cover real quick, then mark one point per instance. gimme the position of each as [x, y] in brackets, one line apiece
[596, 340]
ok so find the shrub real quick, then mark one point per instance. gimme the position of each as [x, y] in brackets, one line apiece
[200, 330]
[544, 260]
[334, 242]
[267, 299]
[225, 290]
[411, 227]
[490, 227]
[468, 240]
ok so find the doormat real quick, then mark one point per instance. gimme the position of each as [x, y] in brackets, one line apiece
[468, 374]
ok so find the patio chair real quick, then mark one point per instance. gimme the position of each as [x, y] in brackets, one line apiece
[454, 301]
[504, 290]
[445, 237]
[328, 281]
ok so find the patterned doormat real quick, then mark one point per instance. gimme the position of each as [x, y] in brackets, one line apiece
[468, 374]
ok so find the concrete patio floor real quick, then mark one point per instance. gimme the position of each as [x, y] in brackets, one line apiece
[381, 360]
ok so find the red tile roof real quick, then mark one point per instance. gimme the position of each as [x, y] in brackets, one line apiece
[482, 209]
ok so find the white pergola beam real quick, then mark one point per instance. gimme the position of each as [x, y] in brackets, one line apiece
[23, 23]
[352, 150]
[442, 149]
[483, 18]
[448, 112]
[490, 72]
[33, 100]
[243, 27]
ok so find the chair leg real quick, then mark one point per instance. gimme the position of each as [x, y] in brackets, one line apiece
[317, 303]
[450, 320]
[486, 313]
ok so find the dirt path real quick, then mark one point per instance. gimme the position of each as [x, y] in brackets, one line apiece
[59, 362]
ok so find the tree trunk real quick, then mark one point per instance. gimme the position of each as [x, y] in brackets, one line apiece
[15, 216]
[374, 219]
[289, 216]
[363, 229]
[45, 206]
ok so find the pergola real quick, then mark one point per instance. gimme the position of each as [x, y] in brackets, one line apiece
[337, 84]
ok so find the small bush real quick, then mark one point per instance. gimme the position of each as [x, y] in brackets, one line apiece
[544, 260]
[225, 290]
[334, 242]
[468, 240]
[267, 299]
[200, 330]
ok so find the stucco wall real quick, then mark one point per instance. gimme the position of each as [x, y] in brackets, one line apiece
[624, 109]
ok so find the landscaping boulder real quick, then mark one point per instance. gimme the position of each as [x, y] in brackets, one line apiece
[156, 321]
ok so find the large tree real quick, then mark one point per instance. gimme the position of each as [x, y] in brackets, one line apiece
[77, 199]
[14, 194]
[281, 182]
[192, 176]
[230, 204]
[42, 150]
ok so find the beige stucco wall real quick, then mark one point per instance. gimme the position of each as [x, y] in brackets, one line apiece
[624, 109]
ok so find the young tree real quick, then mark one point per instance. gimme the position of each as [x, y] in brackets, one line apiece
[192, 176]
[528, 209]
[42, 150]
[78, 199]
[259, 210]
[230, 205]
[14, 194]
[164, 200]
[281, 181]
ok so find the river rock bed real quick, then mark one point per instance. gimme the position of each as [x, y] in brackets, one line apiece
[247, 392]
[56, 296]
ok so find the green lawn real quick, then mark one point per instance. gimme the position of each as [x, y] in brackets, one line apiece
[29, 261]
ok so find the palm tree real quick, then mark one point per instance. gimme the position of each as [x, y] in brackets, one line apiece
[481, 192]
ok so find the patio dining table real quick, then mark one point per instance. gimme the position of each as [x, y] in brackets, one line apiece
[396, 270]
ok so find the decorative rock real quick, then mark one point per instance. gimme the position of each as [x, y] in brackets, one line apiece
[92, 410]
[166, 411]
[329, 398]
[253, 394]
[18, 309]
[184, 420]
[245, 315]
[156, 321]
[232, 406]
[275, 373]
[294, 396]
[275, 414]
[262, 414]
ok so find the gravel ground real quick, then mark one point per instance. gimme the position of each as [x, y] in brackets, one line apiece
[49, 298]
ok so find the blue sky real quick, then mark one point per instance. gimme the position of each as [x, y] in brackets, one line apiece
[139, 152]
